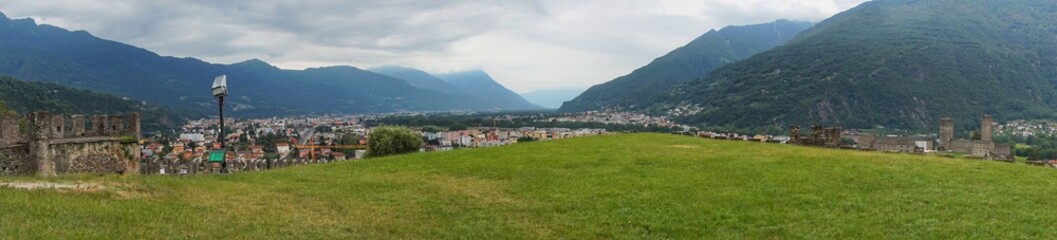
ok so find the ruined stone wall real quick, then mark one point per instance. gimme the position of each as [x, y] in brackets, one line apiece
[1003, 149]
[962, 146]
[794, 134]
[982, 149]
[15, 160]
[95, 157]
[896, 146]
[55, 144]
[866, 141]
[820, 136]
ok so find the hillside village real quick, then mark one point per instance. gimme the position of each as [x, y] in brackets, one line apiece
[319, 139]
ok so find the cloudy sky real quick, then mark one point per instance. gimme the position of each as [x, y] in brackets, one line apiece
[526, 45]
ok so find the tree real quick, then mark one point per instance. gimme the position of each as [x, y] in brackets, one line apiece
[431, 129]
[385, 141]
[4, 111]
[350, 139]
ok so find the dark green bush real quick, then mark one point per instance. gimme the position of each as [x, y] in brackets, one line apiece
[385, 141]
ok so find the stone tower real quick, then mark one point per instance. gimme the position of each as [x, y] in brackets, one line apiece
[985, 128]
[946, 133]
[794, 134]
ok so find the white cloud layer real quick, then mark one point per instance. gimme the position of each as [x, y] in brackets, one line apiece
[526, 45]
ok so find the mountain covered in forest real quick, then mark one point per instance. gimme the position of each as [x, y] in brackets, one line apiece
[475, 85]
[889, 63]
[417, 78]
[481, 85]
[45, 53]
[22, 97]
[694, 60]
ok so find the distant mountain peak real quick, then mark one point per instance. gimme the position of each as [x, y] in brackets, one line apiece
[25, 21]
[478, 83]
[256, 63]
[467, 76]
[416, 78]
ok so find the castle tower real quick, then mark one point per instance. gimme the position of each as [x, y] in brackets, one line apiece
[40, 124]
[946, 133]
[985, 128]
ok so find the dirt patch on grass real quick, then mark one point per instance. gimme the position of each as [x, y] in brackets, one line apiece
[79, 187]
[683, 146]
[123, 191]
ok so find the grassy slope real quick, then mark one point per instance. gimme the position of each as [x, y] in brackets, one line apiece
[627, 186]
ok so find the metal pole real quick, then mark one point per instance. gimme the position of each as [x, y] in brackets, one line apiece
[224, 162]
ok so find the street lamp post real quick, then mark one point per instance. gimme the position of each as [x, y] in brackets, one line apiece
[220, 90]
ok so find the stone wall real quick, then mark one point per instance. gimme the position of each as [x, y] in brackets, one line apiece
[95, 157]
[820, 136]
[14, 160]
[893, 144]
[961, 145]
[56, 144]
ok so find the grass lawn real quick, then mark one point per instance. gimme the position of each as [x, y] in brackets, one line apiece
[623, 186]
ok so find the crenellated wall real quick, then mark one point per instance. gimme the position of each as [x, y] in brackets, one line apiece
[55, 144]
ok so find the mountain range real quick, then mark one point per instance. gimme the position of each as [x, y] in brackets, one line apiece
[417, 78]
[44, 53]
[694, 60]
[473, 84]
[889, 63]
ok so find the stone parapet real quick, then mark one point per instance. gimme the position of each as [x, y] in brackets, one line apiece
[51, 144]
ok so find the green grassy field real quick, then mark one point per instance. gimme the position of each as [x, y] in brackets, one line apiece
[623, 186]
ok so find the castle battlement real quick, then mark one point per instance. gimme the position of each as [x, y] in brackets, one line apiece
[42, 125]
[50, 144]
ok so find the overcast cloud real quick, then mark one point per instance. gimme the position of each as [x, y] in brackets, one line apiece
[526, 45]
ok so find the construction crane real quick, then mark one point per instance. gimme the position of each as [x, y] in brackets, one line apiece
[312, 146]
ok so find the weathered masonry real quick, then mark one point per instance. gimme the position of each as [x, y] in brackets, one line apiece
[49, 144]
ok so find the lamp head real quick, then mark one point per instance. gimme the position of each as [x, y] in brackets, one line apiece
[220, 86]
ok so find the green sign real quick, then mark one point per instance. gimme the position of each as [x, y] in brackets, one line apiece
[216, 156]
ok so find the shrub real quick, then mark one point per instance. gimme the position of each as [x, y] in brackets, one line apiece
[385, 141]
[4, 111]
